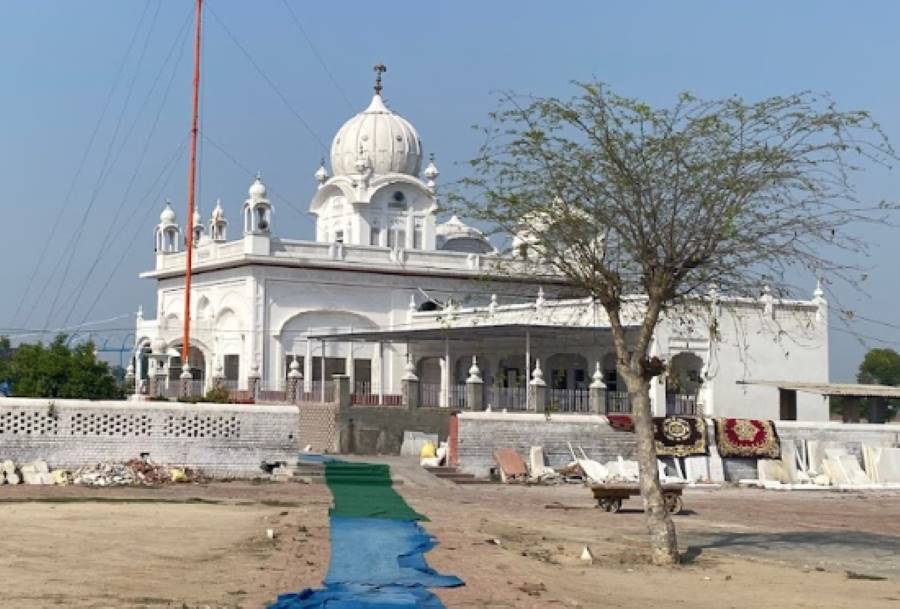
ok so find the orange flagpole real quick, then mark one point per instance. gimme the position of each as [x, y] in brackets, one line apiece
[192, 176]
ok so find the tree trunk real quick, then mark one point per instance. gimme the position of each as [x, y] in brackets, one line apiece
[663, 541]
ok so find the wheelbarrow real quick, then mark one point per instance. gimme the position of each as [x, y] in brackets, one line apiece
[610, 496]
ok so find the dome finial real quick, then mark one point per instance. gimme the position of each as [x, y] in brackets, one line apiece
[321, 173]
[380, 69]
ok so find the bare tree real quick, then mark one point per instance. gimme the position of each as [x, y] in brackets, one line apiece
[642, 208]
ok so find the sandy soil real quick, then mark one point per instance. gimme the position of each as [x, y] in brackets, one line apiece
[196, 546]
[161, 548]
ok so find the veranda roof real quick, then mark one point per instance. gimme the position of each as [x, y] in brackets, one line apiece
[833, 389]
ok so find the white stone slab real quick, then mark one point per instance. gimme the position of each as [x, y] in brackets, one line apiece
[888, 465]
[772, 470]
[716, 467]
[696, 468]
[854, 472]
[593, 470]
[834, 471]
[789, 461]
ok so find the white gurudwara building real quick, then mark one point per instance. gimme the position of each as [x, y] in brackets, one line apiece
[386, 291]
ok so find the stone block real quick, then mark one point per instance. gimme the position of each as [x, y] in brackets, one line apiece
[31, 477]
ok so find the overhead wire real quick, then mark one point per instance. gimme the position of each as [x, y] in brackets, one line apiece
[105, 170]
[315, 52]
[57, 219]
[168, 170]
[251, 174]
[268, 80]
[113, 231]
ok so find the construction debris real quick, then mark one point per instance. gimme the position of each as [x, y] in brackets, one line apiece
[816, 465]
[134, 472]
[511, 465]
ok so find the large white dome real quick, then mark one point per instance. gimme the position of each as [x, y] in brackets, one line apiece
[389, 144]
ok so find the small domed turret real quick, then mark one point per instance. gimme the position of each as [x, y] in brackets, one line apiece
[168, 214]
[218, 213]
[454, 235]
[167, 232]
[257, 209]
[257, 190]
[217, 223]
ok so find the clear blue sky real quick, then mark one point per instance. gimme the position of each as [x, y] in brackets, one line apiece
[445, 60]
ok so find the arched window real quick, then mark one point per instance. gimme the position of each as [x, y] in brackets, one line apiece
[429, 305]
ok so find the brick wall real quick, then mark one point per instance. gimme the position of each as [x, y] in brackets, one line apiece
[317, 427]
[219, 439]
[480, 433]
[378, 430]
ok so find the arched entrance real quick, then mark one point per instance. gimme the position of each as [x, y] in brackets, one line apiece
[195, 358]
[683, 381]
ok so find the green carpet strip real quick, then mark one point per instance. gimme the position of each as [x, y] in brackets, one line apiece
[364, 490]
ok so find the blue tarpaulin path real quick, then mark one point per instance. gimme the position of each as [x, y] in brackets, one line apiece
[376, 562]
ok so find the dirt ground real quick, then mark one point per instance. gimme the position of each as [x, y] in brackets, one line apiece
[198, 546]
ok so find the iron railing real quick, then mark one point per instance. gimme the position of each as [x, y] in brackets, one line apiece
[320, 391]
[456, 397]
[506, 398]
[273, 391]
[429, 394]
[568, 400]
[681, 404]
[618, 402]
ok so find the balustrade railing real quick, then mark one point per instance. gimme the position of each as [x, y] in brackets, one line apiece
[456, 397]
[429, 394]
[568, 400]
[273, 391]
[681, 404]
[618, 402]
[320, 391]
[506, 398]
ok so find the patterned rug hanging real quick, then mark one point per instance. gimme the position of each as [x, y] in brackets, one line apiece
[621, 422]
[680, 436]
[747, 438]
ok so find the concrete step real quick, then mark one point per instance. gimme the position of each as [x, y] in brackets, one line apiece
[452, 474]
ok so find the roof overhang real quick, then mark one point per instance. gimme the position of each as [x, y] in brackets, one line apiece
[832, 389]
[471, 333]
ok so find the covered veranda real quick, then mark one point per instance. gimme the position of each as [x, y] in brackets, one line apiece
[859, 399]
[506, 357]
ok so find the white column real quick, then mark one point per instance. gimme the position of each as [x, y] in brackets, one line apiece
[445, 376]
[322, 366]
[657, 397]
[138, 369]
[380, 372]
[389, 368]
[527, 369]
[307, 368]
[350, 367]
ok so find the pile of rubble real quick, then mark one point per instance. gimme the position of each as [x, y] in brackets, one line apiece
[582, 469]
[136, 472]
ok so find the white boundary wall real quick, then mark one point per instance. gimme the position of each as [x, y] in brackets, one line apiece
[225, 440]
[481, 433]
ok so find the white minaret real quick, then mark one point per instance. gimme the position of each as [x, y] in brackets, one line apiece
[217, 223]
[257, 211]
[168, 235]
